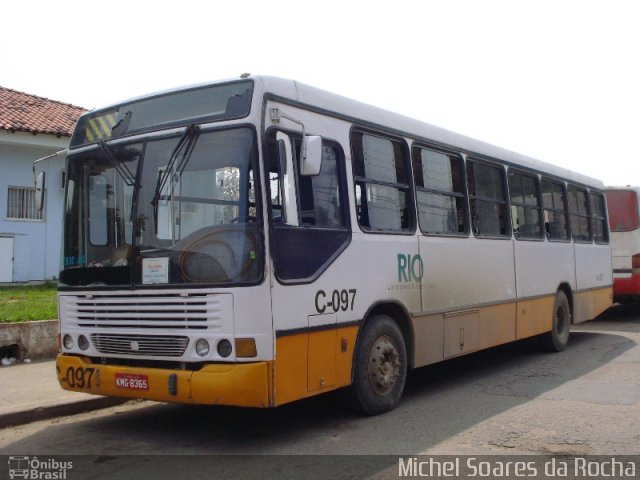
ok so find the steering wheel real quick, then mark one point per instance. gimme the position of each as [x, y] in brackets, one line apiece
[207, 256]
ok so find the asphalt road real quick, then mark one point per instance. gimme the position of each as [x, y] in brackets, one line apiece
[505, 401]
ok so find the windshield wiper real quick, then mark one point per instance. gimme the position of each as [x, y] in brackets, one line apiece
[185, 146]
[119, 166]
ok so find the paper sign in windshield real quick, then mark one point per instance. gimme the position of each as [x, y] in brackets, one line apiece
[155, 270]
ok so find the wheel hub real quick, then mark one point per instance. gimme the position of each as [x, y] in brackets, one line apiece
[384, 365]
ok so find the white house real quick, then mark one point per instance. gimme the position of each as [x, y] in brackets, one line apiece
[31, 127]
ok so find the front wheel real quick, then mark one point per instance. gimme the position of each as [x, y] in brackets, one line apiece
[380, 366]
[556, 340]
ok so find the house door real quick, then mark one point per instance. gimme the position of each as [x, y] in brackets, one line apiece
[6, 259]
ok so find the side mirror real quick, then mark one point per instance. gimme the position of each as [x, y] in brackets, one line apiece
[311, 155]
[40, 186]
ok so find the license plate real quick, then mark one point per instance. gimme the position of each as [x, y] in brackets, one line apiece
[130, 381]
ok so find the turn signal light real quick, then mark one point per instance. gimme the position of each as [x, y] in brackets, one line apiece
[246, 348]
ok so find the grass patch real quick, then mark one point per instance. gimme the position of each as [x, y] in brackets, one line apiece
[33, 302]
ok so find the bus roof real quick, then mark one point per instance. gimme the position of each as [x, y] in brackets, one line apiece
[365, 114]
[627, 188]
[410, 127]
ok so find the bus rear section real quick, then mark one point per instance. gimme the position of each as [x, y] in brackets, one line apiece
[624, 221]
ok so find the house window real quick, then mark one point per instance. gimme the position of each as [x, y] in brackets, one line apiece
[21, 204]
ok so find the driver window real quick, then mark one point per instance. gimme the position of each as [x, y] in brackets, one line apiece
[308, 213]
[297, 200]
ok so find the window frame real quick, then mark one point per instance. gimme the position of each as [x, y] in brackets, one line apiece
[291, 246]
[31, 192]
[596, 218]
[410, 204]
[539, 207]
[416, 153]
[573, 187]
[343, 198]
[564, 210]
[475, 160]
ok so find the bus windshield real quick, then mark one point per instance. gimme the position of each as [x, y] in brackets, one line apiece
[173, 210]
[209, 103]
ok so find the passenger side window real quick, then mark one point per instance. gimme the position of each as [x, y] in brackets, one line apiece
[381, 183]
[579, 214]
[599, 218]
[555, 210]
[487, 199]
[525, 206]
[439, 191]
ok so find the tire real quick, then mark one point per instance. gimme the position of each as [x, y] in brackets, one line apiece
[556, 340]
[379, 367]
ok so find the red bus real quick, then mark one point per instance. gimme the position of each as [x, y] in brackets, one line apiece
[624, 223]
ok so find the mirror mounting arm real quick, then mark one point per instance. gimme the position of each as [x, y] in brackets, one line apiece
[311, 148]
[39, 180]
[277, 115]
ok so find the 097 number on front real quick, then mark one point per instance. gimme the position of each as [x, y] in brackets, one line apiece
[80, 377]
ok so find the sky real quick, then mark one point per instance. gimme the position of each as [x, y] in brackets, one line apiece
[556, 80]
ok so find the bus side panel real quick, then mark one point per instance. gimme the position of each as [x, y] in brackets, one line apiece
[591, 303]
[315, 354]
[540, 268]
[443, 336]
[291, 368]
[535, 316]
[594, 281]
[301, 367]
[462, 273]
[429, 337]
[472, 281]
[625, 245]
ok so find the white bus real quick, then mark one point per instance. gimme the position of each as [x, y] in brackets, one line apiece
[258, 241]
[624, 222]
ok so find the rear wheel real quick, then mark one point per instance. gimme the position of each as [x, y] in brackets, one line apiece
[556, 340]
[380, 366]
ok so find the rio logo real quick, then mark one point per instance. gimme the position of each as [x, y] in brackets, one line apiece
[410, 268]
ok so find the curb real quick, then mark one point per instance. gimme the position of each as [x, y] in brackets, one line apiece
[58, 410]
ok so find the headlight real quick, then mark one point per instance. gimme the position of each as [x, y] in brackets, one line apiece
[67, 341]
[83, 343]
[202, 347]
[224, 348]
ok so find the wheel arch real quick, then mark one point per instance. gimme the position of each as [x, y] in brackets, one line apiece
[401, 316]
[566, 289]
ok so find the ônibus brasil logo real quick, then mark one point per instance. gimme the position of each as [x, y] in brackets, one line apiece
[34, 469]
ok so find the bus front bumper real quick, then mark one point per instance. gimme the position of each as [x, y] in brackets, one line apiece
[237, 384]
